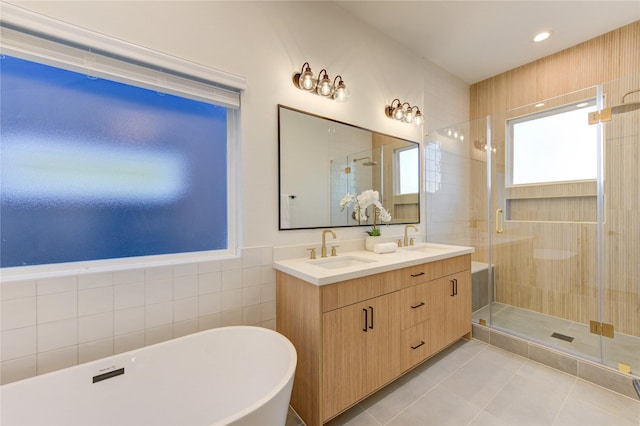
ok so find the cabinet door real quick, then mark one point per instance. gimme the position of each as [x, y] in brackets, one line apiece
[450, 299]
[383, 341]
[345, 332]
[361, 351]
[459, 316]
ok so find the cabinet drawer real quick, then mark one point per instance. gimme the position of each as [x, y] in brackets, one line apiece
[418, 274]
[414, 305]
[455, 264]
[345, 293]
[429, 271]
[415, 345]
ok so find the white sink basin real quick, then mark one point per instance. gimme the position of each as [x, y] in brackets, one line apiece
[340, 262]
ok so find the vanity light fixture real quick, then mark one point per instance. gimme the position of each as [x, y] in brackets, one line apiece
[404, 112]
[481, 145]
[322, 85]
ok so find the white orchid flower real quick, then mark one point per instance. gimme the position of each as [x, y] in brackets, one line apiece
[361, 202]
[346, 201]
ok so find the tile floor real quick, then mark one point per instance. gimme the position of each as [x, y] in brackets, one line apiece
[473, 383]
[539, 327]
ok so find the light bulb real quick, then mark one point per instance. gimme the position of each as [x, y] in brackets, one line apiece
[341, 93]
[398, 113]
[409, 116]
[307, 81]
[325, 88]
[419, 119]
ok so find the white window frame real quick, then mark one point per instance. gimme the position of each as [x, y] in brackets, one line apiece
[30, 36]
[398, 170]
[530, 117]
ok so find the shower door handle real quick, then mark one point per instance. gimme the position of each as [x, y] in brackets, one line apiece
[499, 221]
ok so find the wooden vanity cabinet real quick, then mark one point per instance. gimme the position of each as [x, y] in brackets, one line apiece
[355, 336]
[450, 297]
[360, 352]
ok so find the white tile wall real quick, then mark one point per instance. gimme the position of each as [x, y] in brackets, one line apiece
[18, 313]
[18, 343]
[53, 323]
[58, 334]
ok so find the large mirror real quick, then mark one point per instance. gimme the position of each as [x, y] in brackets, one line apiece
[321, 160]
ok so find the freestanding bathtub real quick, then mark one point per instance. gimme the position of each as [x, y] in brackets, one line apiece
[232, 375]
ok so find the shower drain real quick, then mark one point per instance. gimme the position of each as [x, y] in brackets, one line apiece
[562, 337]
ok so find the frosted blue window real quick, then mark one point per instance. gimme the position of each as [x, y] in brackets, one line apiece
[95, 169]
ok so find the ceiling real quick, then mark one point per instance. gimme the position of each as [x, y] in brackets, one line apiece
[475, 40]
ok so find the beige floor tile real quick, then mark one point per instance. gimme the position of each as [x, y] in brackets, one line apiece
[486, 419]
[483, 376]
[607, 400]
[293, 419]
[576, 412]
[356, 416]
[528, 400]
[438, 407]
[391, 400]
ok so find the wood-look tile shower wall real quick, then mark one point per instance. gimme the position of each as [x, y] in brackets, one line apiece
[563, 282]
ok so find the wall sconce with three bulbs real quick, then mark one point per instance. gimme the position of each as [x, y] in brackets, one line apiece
[322, 85]
[404, 112]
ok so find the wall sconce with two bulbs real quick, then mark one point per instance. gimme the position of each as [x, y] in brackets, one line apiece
[481, 145]
[322, 85]
[404, 112]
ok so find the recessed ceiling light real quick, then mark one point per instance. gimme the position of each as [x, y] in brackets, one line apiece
[582, 104]
[541, 36]
[541, 104]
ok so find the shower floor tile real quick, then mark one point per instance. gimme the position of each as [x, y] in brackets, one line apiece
[473, 383]
[540, 327]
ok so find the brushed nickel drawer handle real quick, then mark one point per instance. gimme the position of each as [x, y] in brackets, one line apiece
[418, 305]
[418, 345]
[417, 275]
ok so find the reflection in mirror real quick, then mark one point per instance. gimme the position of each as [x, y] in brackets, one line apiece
[322, 160]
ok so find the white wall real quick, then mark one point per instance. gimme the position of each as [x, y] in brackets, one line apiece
[266, 42]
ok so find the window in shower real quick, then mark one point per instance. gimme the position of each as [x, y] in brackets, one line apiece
[407, 171]
[93, 168]
[555, 145]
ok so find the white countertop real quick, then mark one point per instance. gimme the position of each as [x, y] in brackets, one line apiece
[360, 263]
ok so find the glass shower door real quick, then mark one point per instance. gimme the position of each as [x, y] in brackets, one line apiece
[543, 233]
[555, 257]
[620, 308]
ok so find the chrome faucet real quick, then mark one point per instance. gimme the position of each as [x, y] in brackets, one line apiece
[324, 241]
[406, 227]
